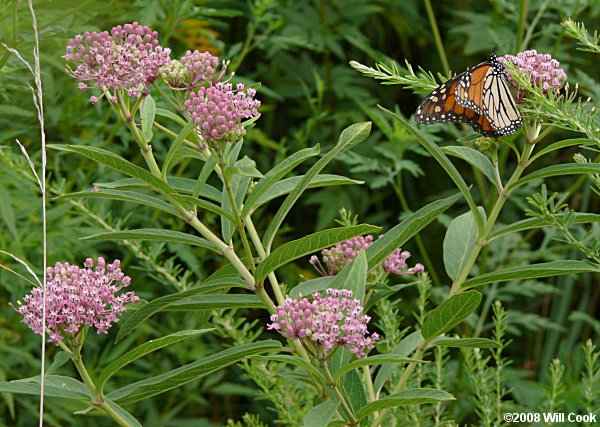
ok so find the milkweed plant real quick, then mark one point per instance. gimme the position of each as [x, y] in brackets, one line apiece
[333, 344]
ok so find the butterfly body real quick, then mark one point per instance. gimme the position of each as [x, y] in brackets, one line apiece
[479, 96]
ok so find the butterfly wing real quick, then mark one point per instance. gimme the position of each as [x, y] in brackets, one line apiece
[482, 125]
[485, 90]
[441, 106]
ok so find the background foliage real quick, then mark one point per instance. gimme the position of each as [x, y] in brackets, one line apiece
[299, 52]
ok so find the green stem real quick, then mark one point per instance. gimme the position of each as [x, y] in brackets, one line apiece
[436, 36]
[481, 240]
[167, 97]
[172, 134]
[338, 395]
[402, 381]
[239, 224]
[97, 397]
[145, 148]
[523, 12]
[263, 254]
[369, 382]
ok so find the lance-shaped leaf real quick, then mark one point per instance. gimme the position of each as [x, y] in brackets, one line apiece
[172, 156]
[190, 372]
[155, 234]
[300, 363]
[557, 170]
[126, 196]
[169, 302]
[397, 236]
[309, 244]
[533, 271]
[450, 313]
[130, 419]
[144, 349]
[475, 158]
[287, 185]
[415, 396]
[54, 386]
[348, 139]
[320, 415]
[530, 223]
[353, 277]
[379, 359]
[275, 174]
[216, 302]
[584, 142]
[119, 164]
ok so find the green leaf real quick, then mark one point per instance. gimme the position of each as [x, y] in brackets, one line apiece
[130, 419]
[459, 242]
[350, 137]
[178, 184]
[154, 234]
[445, 163]
[60, 359]
[159, 304]
[311, 286]
[211, 207]
[119, 164]
[170, 115]
[320, 415]
[353, 277]
[533, 271]
[190, 372]
[307, 245]
[275, 174]
[54, 386]
[557, 170]
[144, 349]
[450, 313]
[465, 342]
[584, 142]
[350, 384]
[126, 196]
[378, 359]
[530, 223]
[172, 156]
[415, 396]
[147, 113]
[248, 168]
[216, 302]
[397, 236]
[407, 346]
[299, 362]
[286, 186]
[207, 169]
[239, 185]
[475, 158]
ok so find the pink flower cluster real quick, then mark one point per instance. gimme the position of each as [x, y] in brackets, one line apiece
[76, 297]
[338, 256]
[127, 58]
[218, 110]
[543, 70]
[193, 70]
[336, 320]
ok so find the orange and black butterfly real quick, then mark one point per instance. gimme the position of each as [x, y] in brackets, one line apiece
[479, 96]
